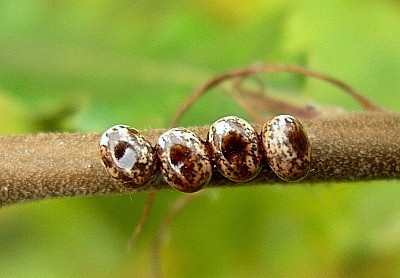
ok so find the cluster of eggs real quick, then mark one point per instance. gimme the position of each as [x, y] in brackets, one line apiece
[186, 162]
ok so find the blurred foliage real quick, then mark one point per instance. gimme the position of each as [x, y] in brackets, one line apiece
[86, 65]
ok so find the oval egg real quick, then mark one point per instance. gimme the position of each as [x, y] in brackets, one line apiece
[184, 160]
[286, 147]
[127, 156]
[234, 146]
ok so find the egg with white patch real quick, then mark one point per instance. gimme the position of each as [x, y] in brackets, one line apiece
[127, 156]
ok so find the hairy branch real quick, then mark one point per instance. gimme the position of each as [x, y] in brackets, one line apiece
[354, 146]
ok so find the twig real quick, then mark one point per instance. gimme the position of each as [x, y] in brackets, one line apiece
[243, 72]
[143, 219]
[162, 229]
[347, 147]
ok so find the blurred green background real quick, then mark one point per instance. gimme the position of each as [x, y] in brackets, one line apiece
[86, 65]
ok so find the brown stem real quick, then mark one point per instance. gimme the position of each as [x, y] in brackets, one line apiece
[162, 230]
[256, 103]
[243, 72]
[353, 146]
[142, 222]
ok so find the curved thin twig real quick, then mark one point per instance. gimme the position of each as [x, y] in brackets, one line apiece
[143, 219]
[257, 103]
[242, 72]
[162, 229]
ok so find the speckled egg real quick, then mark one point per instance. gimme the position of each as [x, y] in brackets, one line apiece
[127, 156]
[184, 160]
[234, 146]
[286, 147]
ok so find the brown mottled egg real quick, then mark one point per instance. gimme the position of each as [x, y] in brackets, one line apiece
[127, 156]
[234, 147]
[184, 160]
[286, 147]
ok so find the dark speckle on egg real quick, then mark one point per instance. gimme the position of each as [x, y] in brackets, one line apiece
[234, 146]
[184, 160]
[127, 156]
[286, 147]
